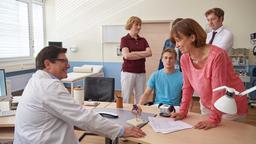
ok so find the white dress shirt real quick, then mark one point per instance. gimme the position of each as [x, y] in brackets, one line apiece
[47, 114]
[222, 39]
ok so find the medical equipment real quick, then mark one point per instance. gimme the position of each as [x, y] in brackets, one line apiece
[166, 110]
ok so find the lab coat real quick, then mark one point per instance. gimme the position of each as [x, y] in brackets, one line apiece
[47, 114]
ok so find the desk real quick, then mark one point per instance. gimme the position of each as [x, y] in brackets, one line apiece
[7, 124]
[7, 128]
[228, 132]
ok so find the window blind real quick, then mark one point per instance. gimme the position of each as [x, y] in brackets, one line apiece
[38, 28]
[14, 27]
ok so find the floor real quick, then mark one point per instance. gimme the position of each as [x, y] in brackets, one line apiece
[250, 119]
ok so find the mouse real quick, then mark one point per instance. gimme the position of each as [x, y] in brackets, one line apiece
[108, 114]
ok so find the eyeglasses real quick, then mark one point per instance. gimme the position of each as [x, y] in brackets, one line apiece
[62, 60]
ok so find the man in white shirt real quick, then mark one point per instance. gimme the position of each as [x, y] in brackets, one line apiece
[47, 113]
[219, 36]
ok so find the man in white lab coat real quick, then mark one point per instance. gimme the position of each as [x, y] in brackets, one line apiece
[47, 113]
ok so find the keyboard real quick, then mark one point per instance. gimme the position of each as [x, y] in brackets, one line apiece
[7, 113]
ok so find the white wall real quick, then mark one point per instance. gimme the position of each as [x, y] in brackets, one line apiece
[79, 22]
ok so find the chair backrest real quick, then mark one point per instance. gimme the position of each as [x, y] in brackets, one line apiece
[99, 89]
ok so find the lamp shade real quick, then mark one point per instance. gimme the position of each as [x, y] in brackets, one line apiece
[226, 104]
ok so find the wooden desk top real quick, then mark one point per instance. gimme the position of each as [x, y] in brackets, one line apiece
[229, 132]
[7, 121]
[101, 105]
[10, 120]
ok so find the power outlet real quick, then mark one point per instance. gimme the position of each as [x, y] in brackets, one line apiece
[253, 36]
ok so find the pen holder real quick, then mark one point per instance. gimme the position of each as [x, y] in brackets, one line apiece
[119, 102]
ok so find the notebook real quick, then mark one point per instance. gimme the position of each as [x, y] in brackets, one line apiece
[137, 122]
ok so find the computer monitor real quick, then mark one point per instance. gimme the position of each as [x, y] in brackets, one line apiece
[54, 43]
[3, 87]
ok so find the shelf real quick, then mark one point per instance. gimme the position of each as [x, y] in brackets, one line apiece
[241, 65]
[245, 78]
[238, 55]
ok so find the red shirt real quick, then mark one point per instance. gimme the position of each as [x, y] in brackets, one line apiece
[139, 44]
[217, 71]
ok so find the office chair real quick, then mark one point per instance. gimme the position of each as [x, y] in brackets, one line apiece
[98, 89]
[149, 103]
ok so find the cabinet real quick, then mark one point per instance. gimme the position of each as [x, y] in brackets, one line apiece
[113, 33]
[240, 60]
[111, 37]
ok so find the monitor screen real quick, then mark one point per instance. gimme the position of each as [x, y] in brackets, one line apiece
[55, 43]
[3, 89]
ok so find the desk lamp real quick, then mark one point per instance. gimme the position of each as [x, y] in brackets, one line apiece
[227, 102]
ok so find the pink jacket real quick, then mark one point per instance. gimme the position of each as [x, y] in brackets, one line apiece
[217, 71]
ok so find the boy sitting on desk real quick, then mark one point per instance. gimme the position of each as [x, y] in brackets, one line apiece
[167, 82]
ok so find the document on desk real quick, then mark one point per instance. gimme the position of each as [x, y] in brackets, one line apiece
[167, 125]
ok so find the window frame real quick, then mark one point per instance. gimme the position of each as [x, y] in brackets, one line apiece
[31, 31]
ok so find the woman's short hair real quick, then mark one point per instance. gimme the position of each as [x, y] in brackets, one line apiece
[189, 27]
[131, 21]
[169, 50]
[176, 20]
[48, 53]
[173, 23]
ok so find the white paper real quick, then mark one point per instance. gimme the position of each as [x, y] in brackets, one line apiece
[167, 125]
[91, 103]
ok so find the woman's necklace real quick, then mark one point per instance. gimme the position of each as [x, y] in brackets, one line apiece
[198, 60]
[195, 61]
[202, 57]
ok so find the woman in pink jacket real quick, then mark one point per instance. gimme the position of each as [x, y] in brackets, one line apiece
[204, 68]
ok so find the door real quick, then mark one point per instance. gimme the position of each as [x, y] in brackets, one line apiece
[155, 33]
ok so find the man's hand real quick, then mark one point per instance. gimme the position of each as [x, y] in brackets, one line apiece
[177, 116]
[205, 125]
[133, 132]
